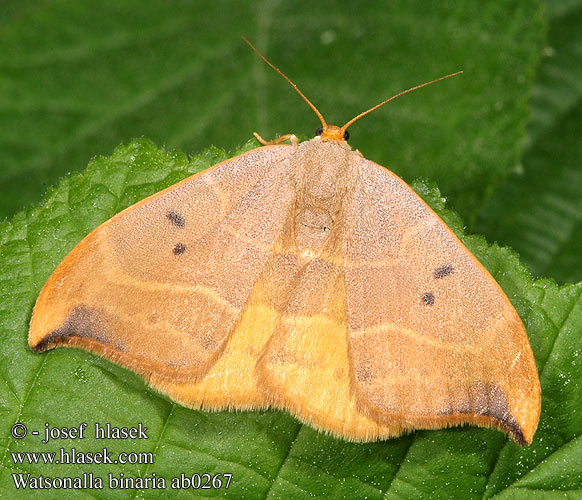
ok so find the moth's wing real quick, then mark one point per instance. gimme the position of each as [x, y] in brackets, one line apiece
[159, 287]
[433, 340]
[304, 366]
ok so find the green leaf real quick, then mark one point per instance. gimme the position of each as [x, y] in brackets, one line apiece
[269, 453]
[538, 210]
[78, 78]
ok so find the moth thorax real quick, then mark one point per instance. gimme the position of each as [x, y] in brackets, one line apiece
[320, 167]
[313, 227]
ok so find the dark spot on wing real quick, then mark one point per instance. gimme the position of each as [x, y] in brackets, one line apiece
[179, 249]
[441, 272]
[176, 218]
[428, 298]
[83, 322]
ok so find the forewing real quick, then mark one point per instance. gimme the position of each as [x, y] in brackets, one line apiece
[159, 287]
[433, 340]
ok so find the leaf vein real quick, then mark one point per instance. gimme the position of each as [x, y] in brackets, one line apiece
[404, 457]
[159, 440]
[276, 476]
[21, 409]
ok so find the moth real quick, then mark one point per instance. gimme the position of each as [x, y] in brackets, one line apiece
[305, 277]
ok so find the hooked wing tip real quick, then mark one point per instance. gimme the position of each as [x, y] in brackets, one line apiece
[496, 406]
[82, 322]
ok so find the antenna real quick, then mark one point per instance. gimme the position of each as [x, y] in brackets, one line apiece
[319, 115]
[332, 131]
[344, 128]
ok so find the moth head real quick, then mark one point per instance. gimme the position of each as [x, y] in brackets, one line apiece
[332, 132]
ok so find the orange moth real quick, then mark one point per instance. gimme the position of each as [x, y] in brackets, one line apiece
[303, 277]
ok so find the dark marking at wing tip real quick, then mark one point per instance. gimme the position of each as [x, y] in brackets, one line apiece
[176, 218]
[428, 298]
[496, 406]
[514, 430]
[491, 401]
[82, 322]
[44, 344]
[179, 249]
[441, 272]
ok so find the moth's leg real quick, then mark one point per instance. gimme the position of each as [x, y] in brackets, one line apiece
[292, 138]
